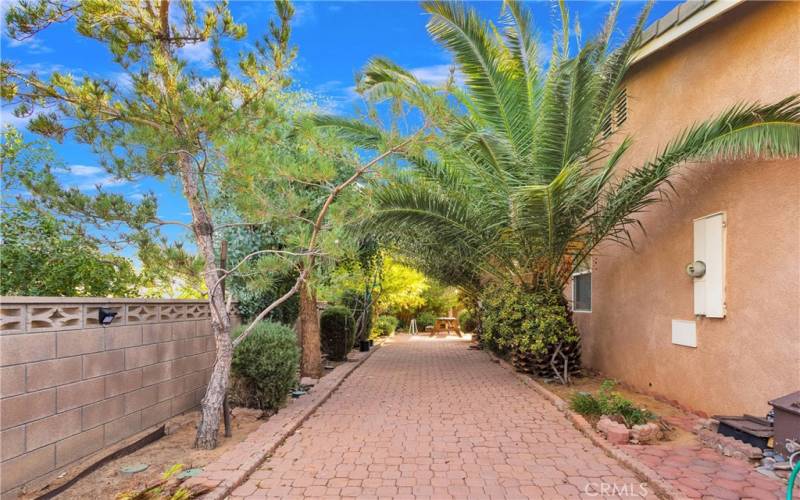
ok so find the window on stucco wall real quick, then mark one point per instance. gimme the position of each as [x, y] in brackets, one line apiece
[582, 289]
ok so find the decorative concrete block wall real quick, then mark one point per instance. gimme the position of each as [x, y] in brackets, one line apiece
[70, 387]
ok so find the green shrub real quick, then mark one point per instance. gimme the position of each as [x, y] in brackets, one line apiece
[385, 325]
[265, 366]
[467, 321]
[528, 322]
[425, 319]
[586, 404]
[611, 403]
[337, 331]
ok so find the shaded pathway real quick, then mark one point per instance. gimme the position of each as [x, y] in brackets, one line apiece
[431, 418]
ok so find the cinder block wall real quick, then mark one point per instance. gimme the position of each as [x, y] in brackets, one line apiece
[71, 387]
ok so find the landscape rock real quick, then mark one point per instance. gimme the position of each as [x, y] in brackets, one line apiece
[614, 432]
[646, 433]
[729, 446]
[241, 412]
[308, 381]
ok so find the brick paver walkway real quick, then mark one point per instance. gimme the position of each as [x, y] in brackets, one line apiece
[703, 473]
[427, 417]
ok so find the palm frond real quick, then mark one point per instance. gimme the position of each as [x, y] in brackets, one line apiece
[743, 131]
[492, 86]
[353, 131]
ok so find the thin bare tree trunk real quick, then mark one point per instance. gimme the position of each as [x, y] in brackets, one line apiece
[220, 319]
[311, 359]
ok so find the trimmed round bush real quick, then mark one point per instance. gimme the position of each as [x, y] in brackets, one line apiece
[467, 321]
[385, 325]
[526, 321]
[265, 366]
[337, 332]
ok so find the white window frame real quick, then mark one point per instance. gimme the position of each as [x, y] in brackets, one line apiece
[574, 288]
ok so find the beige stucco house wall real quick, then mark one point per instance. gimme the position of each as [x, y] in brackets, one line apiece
[751, 52]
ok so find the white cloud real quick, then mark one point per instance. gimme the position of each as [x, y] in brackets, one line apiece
[122, 79]
[32, 45]
[198, 53]
[304, 14]
[88, 177]
[329, 86]
[84, 170]
[435, 75]
[334, 96]
[7, 117]
[43, 69]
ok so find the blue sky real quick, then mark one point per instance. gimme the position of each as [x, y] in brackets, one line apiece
[334, 40]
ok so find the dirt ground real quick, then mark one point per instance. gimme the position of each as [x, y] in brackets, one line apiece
[591, 383]
[108, 481]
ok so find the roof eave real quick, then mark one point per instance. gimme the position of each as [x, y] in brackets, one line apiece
[681, 28]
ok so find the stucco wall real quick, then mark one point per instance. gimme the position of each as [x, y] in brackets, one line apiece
[71, 388]
[753, 354]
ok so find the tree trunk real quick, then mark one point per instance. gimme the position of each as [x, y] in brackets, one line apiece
[203, 228]
[311, 359]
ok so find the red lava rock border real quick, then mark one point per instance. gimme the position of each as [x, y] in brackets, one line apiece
[235, 466]
[659, 486]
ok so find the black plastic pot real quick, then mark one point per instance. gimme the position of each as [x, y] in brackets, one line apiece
[371, 342]
[363, 346]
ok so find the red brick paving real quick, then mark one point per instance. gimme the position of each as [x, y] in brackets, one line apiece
[703, 473]
[428, 418]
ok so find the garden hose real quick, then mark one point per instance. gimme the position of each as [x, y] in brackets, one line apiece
[792, 477]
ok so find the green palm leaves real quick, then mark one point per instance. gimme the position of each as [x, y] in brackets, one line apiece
[517, 178]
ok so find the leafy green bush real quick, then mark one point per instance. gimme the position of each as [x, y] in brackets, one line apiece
[337, 331]
[528, 322]
[467, 321]
[586, 404]
[611, 403]
[385, 325]
[425, 319]
[265, 366]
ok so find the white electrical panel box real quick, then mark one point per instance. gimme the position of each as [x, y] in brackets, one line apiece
[709, 247]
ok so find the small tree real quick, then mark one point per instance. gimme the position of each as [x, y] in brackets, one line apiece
[172, 121]
[165, 124]
[43, 255]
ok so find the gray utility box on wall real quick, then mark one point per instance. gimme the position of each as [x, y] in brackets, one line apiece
[787, 421]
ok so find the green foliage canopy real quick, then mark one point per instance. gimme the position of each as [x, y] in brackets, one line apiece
[517, 180]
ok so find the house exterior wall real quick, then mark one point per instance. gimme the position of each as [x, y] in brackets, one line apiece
[751, 53]
[71, 388]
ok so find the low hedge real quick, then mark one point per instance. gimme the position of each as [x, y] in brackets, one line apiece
[384, 326]
[337, 332]
[264, 366]
[467, 321]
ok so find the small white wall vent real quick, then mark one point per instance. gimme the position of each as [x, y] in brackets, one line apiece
[684, 333]
[709, 248]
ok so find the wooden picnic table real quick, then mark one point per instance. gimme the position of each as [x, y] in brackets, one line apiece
[446, 324]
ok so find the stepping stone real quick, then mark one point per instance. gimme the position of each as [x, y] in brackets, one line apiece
[189, 473]
[134, 469]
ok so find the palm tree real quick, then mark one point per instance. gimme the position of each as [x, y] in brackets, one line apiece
[518, 179]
